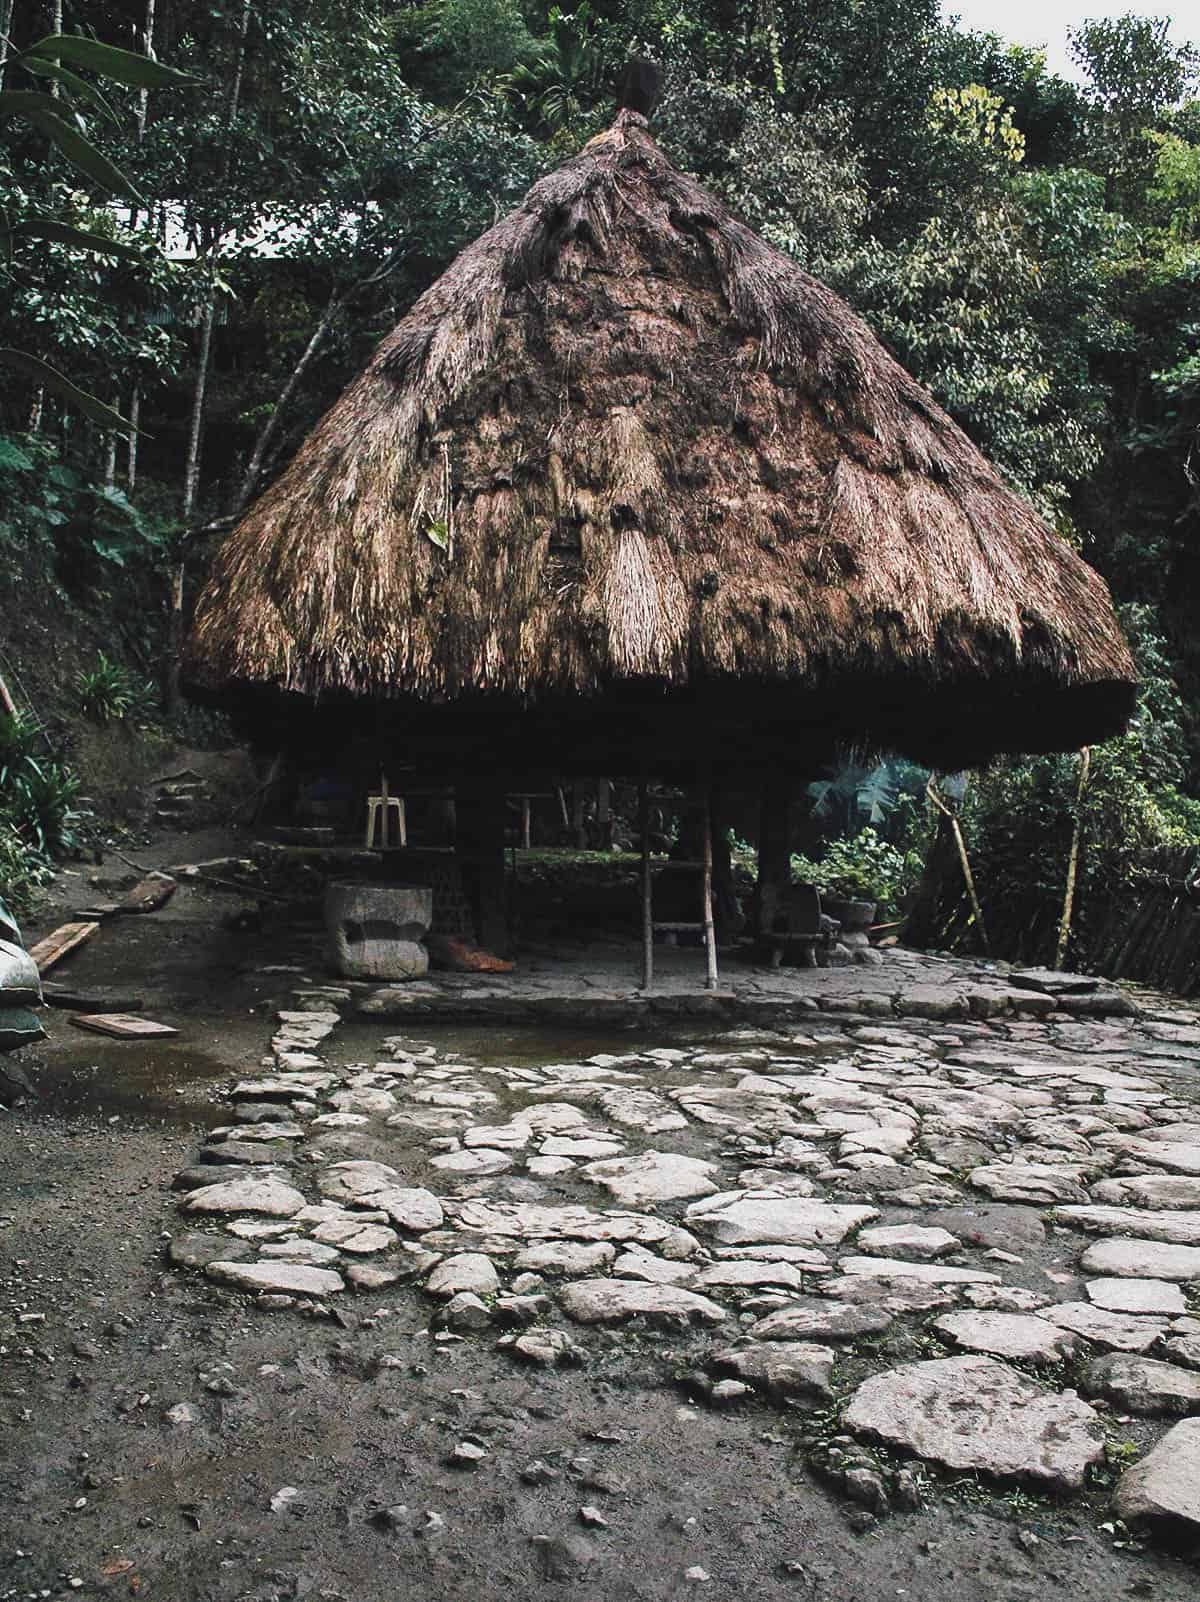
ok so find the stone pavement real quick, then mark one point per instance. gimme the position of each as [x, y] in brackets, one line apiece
[1017, 1187]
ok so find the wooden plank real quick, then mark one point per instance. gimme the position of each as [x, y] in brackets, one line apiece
[48, 953]
[121, 1025]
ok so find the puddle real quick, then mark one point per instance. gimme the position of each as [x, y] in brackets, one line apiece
[153, 1082]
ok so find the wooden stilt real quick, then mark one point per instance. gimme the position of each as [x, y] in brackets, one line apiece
[710, 934]
[383, 791]
[647, 893]
[526, 823]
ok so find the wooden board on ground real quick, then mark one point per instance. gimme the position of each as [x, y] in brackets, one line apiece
[51, 951]
[122, 1025]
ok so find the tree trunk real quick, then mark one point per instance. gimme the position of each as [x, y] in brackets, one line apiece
[191, 480]
[270, 427]
[6, 16]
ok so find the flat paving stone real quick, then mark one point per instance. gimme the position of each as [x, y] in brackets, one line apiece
[976, 1413]
[928, 1273]
[735, 1218]
[1043, 1183]
[1136, 1295]
[732, 1275]
[911, 1241]
[280, 1279]
[1176, 1228]
[611, 1301]
[565, 1257]
[1121, 1332]
[1141, 1259]
[815, 1319]
[1150, 1190]
[1142, 1385]
[1165, 1485]
[269, 1198]
[1018, 1335]
[653, 1176]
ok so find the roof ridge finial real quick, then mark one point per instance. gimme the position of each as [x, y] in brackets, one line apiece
[639, 87]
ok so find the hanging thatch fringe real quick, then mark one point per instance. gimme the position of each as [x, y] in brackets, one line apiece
[624, 439]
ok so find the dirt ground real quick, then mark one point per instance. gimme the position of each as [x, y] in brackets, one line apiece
[102, 1494]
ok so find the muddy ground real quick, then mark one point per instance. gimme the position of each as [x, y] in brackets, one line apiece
[103, 1495]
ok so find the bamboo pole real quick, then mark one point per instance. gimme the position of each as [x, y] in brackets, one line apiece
[931, 791]
[647, 891]
[710, 935]
[1064, 926]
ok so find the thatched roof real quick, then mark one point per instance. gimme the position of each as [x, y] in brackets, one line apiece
[624, 449]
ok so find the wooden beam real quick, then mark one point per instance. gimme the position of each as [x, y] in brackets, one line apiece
[48, 953]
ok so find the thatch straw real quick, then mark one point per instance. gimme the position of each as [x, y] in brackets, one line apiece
[624, 440]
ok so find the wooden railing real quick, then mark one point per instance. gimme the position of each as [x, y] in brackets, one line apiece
[1156, 938]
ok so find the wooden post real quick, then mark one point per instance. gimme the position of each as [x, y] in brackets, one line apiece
[647, 893]
[526, 824]
[577, 824]
[383, 792]
[935, 796]
[1064, 927]
[710, 934]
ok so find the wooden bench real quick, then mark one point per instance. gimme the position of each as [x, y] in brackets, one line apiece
[670, 932]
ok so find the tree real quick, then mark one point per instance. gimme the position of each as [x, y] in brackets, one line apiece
[1135, 73]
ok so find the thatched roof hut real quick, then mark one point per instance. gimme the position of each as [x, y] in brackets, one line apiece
[627, 486]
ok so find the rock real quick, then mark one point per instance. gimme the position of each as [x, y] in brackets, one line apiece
[481, 1161]
[467, 1455]
[976, 1413]
[373, 1276]
[743, 1218]
[815, 1319]
[785, 1370]
[180, 1415]
[1007, 1227]
[363, 1099]
[1177, 1229]
[639, 1264]
[1142, 1259]
[565, 1257]
[522, 1310]
[269, 1198]
[349, 1235]
[465, 1311]
[653, 1176]
[1165, 1485]
[277, 1278]
[354, 1179]
[734, 1273]
[930, 1001]
[1136, 1295]
[908, 1240]
[466, 1271]
[928, 1273]
[1150, 1190]
[1120, 1332]
[1018, 1335]
[197, 1250]
[240, 1152]
[298, 1251]
[1051, 983]
[416, 1210]
[1142, 1385]
[547, 1346]
[609, 1301]
[1043, 1183]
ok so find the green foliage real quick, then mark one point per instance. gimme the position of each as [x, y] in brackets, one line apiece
[23, 872]
[1019, 816]
[37, 793]
[861, 867]
[110, 692]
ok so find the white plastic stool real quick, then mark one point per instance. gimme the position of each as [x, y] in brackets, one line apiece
[379, 812]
